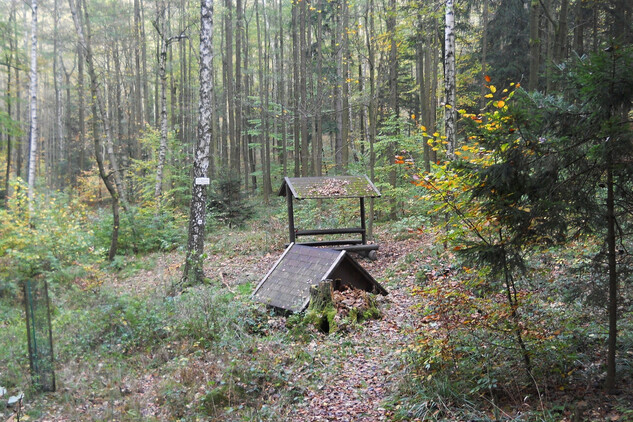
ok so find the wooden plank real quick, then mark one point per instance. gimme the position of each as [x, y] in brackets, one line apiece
[332, 242]
[316, 232]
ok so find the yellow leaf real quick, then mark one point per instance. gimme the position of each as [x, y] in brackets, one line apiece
[493, 89]
[423, 128]
[436, 134]
[449, 106]
[488, 96]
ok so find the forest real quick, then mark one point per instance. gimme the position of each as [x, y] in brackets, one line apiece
[143, 144]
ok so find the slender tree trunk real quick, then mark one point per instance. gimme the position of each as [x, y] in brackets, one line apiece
[449, 80]
[318, 139]
[161, 28]
[80, 112]
[241, 143]
[297, 97]
[10, 99]
[33, 103]
[535, 46]
[345, 88]
[193, 271]
[85, 44]
[230, 89]
[59, 148]
[609, 383]
[303, 105]
[371, 62]
[338, 92]
[282, 94]
[484, 52]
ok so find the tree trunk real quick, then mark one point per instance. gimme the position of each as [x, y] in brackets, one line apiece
[193, 271]
[609, 383]
[345, 88]
[535, 46]
[296, 95]
[85, 44]
[372, 130]
[303, 105]
[161, 28]
[81, 117]
[33, 104]
[12, 51]
[241, 144]
[449, 80]
[230, 89]
[318, 138]
[338, 92]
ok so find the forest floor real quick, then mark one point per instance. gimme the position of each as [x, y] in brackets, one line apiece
[276, 370]
[345, 376]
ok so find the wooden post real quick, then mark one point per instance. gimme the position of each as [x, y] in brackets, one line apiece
[362, 220]
[291, 216]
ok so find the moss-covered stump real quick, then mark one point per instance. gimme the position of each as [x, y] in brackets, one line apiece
[321, 312]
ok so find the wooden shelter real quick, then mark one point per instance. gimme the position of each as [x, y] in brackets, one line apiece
[331, 187]
[287, 284]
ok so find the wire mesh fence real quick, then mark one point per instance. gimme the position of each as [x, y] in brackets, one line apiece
[39, 332]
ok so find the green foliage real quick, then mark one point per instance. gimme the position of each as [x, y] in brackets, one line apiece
[147, 228]
[226, 203]
[176, 175]
[53, 237]
[398, 137]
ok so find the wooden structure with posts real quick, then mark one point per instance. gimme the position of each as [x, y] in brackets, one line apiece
[287, 285]
[331, 187]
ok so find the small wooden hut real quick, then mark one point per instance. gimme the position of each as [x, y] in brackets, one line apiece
[287, 284]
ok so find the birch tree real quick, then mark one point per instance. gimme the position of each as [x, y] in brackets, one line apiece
[33, 102]
[193, 272]
[449, 78]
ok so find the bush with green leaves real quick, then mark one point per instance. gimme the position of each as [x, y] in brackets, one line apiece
[46, 236]
[147, 228]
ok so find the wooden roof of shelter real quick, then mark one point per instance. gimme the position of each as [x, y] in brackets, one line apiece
[287, 284]
[329, 187]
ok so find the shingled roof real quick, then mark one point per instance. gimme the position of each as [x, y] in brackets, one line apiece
[287, 284]
[329, 187]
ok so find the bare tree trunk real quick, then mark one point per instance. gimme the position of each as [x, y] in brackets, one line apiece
[484, 53]
[282, 95]
[193, 271]
[318, 139]
[230, 88]
[161, 28]
[449, 80]
[82, 119]
[10, 99]
[609, 384]
[241, 144]
[33, 104]
[535, 46]
[297, 101]
[338, 93]
[344, 81]
[371, 112]
[85, 44]
[305, 149]
[58, 148]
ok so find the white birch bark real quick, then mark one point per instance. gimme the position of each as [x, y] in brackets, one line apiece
[33, 103]
[162, 63]
[449, 78]
[193, 272]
